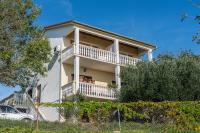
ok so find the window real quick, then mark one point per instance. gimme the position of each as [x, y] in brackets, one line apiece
[30, 92]
[122, 83]
[10, 110]
[2, 109]
[113, 82]
[7, 109]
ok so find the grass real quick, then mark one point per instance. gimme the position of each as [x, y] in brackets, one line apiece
[7, 126]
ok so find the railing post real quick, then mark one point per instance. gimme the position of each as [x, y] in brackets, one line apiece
[117, 67]
[76, 59]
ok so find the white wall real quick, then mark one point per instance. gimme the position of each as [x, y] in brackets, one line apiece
[99, 76]
[50, 84]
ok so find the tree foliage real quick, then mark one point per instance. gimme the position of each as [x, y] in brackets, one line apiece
[23, 50]
[169, 77]
[196, 17]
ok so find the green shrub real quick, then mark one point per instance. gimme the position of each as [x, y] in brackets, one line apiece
[168, 77]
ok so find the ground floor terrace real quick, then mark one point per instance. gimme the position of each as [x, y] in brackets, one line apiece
[96, 79]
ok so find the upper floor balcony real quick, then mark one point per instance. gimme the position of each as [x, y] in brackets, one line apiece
[99, 55]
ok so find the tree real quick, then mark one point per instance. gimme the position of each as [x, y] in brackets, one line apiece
[196, 36]
[169, 77]
[23, 50]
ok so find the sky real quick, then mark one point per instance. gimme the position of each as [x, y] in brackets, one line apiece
[154, 21]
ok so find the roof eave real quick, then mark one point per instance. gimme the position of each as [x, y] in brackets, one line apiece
[75, 23]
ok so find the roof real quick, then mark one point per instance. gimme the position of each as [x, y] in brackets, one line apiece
[85, 26]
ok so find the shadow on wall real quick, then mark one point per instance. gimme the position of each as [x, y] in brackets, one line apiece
[52, 62]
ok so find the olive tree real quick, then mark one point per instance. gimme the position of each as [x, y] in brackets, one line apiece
[23, 50]
[168, 77]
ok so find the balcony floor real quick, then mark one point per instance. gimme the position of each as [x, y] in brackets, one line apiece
[93, 64]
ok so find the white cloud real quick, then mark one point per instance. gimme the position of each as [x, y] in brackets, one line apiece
[67, 7]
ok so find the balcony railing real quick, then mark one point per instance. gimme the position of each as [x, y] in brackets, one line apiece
[90, 90]
[100, 55]
[68, 52]
[67, 90]
[126, 60]
[97, 54]
[20, 99]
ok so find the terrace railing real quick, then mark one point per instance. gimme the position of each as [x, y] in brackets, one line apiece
[90, 90]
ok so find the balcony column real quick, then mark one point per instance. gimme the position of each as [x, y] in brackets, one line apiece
[150, 55]
[117, 67]
[76, 60]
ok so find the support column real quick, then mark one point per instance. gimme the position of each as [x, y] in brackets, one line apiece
[76, 60]
[150, 55]
[117, 67]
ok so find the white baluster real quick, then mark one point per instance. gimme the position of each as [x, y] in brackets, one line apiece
[98, 91]
[86, 88]
[95, 54]
[93, 90]
[83, 88]
[82, 50]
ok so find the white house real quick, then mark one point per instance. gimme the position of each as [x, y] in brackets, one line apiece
[86, 60]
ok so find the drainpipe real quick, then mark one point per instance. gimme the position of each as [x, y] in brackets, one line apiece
[60, 80]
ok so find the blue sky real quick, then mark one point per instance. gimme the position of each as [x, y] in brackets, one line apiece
[154, 21]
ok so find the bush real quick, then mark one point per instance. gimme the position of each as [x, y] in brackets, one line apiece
[184, 115]
[171, 78]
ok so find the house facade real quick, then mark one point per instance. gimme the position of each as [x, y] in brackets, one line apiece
[85, 60]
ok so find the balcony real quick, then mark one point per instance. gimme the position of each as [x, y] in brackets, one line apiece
[89, 90]
[127, 60]
[99, 55]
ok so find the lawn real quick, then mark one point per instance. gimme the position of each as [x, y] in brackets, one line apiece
[7, 126]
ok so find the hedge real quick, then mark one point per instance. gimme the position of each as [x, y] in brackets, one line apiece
[184, 115]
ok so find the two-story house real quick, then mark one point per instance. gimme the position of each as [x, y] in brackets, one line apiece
[85, 60]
